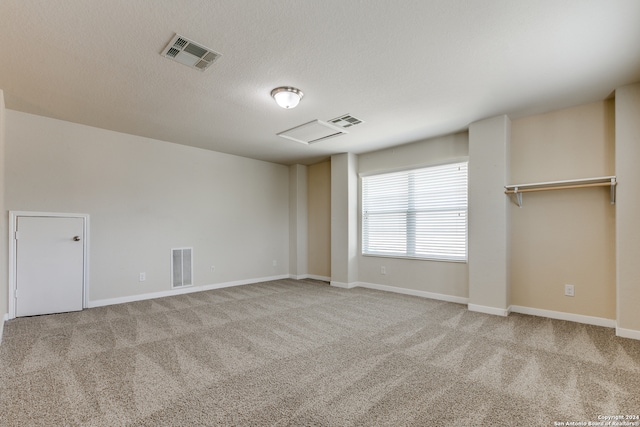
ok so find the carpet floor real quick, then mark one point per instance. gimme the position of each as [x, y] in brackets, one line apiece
[302, 353]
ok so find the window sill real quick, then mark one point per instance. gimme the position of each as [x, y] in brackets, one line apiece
[455, 261]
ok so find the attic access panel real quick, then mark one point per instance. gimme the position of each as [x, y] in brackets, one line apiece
[312, 132]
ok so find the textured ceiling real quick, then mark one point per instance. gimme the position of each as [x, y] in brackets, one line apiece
[410, 69]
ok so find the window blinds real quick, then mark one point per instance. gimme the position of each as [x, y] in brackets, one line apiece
[419, 213]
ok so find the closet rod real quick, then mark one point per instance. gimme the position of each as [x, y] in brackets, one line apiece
[605, 181]
[559, 187]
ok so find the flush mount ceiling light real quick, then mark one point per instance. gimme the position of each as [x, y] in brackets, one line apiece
[287, 97]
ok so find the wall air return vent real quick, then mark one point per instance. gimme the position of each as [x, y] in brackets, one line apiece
[312, 132]
[345, 121]
[189, 53]
[181, 267]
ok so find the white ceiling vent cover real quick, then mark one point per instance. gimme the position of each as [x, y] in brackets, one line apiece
[312, 132]
[189, 53]
[346, 121]
[181, 267]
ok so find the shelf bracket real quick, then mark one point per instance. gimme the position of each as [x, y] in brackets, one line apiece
[518, 196]
[613, 191]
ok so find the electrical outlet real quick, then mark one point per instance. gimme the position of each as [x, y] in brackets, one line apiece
[143, 277]
[213, 268]
[383, 270]
[569, 291]
[275, 263]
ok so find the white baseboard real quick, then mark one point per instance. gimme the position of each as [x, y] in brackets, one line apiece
[310, 276]
[343, 285]
[321, 278]
[4, 319]
[560, 315]
[628, 333]
[142, 297]
[414, 292]
[180, 291]
[504, 312]
[243, 282]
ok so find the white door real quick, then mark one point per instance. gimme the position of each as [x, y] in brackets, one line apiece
[49, 265]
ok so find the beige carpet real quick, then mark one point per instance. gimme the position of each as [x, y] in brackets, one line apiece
[301, 353]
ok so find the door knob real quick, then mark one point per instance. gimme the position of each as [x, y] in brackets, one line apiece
[76, 238]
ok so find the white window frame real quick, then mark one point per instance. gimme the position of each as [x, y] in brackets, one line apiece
[398, 235]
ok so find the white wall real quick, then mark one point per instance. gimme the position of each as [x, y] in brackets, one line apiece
[146, 197]
[627, 208]
[344, 220]
[489, 141]
[446, 278]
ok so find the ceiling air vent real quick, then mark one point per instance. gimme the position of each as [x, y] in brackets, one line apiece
[345, 121]
[189, 53]
[312, 132]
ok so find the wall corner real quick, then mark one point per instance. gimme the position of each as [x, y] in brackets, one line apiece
[627, 153]
[489, 142]
[4, 218]
[344, 218]
[298, 246]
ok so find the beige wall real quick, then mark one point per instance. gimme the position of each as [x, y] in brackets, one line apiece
[298, 235]
[447, 278]
[4, 261]
[319, 219]
[566, 236]
[556, 238]
[146, 197]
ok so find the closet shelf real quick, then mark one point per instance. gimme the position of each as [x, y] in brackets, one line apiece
[604, 181]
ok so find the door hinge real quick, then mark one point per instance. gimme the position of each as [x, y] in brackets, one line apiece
[16, 235]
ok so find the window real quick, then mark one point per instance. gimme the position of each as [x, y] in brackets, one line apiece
[419, 213]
